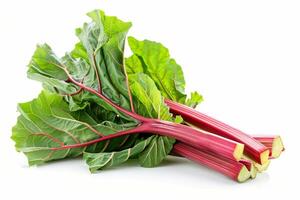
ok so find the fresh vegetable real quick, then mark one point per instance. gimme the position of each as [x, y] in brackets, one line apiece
[103, 83]
[93, 105]
[233, 169]
[250, 166]
[146, 61]
[273, 143]
[253, 148]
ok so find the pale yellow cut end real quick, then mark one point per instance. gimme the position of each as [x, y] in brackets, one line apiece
[277, 147]
[243, 175]
[263, 167]
[253, 172]
[264, 157]
[238, 151]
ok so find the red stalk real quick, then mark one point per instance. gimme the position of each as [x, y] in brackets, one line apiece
[253, 148]
[233, 169]
[273, 143]
[218, 145]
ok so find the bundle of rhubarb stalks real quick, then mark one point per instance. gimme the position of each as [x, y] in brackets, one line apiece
[107, 109]
[248, 155]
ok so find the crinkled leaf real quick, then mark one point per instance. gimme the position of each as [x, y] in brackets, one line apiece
[46, 122]
[96, 60]
[194, 100]
[98, 161]
[134, 65]
[104, 40]
[150, 103]
[147, 95]
[156, 151]
[155, 61]
[41, 68]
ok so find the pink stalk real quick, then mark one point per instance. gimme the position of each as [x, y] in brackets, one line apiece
[273, 143]
[233, 169]
[221, 146]
[253, 148]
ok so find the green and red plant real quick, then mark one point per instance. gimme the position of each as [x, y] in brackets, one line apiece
[108, 109]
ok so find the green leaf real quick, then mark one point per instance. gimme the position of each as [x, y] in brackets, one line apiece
[96, 60]
[194, 100]
[134, 65]
[46, 122]
[155, 61]
[147, 95]
[98, 161]
[64, 114]
[150, 103]
[104, 40]
[156, 151]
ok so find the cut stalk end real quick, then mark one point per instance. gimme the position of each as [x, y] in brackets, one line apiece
[263, 167]
[253, 172]
[264, 157]
[238, 151]
[243, 175]
[277, 147]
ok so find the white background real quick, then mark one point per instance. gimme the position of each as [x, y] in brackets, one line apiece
[243, 56]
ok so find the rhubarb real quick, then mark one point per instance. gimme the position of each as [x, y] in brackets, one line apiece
[253, 148]
[89, 105]
[233, 169]
[273, 143]
[94, 106]
[250, 167]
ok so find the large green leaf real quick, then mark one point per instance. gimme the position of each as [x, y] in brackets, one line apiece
[150, 151]
[153, 59]
[97, 161]
[46, 122]
[156, 62]
[96, 60]
[150, 103]
[148, 99]
[156, 151]
[104, 40]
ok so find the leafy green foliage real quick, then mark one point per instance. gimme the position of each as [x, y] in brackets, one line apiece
[151, 151]
[148, 97]
[46, 122]
[194, 100]
[98, 61]
[156, 151]
[97, 161]
[150, 103]
[153, 59]
[156, 62]
[65, 114]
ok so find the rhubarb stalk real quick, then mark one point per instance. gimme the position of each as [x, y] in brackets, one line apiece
[250, 167]
[233, 169]
[253, 148]
[273, 143]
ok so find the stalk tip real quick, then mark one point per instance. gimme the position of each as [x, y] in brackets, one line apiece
[238, 151]
[263, 167]
[243, 175]
[264, 157]
[277, 147]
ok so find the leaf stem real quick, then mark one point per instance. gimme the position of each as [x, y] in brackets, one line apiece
[182, 133]
[129, 113]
